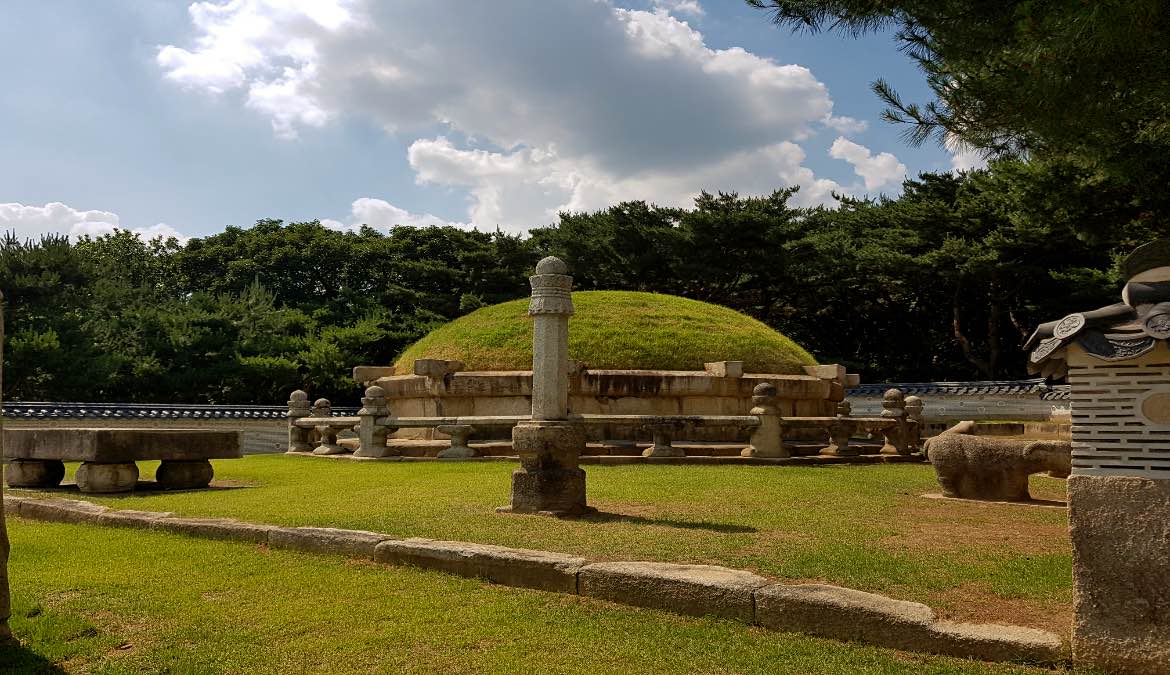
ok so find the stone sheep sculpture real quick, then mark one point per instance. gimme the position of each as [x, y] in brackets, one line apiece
[993, 469]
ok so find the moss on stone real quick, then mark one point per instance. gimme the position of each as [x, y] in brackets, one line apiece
[616, 330]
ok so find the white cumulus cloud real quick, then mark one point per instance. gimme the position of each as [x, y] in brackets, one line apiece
[30, 222]
[876, 170]
[963, 156]
[529, 108]
[382, 215]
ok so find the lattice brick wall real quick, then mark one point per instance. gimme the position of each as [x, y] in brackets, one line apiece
[1119, 424]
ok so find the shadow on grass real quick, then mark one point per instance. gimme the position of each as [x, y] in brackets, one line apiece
[16, 658]
[725, 528]
[141, 489]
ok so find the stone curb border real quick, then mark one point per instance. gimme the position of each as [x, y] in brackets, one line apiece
[696, 590]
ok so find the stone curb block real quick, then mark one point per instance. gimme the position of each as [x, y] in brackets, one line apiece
[142, 520]
[541, 570]
[848, 614]
[355, 543]
[216, 528]
[991, 642]
[58, 510]
[697, 590]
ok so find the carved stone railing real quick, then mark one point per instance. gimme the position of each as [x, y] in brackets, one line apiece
[314, 428]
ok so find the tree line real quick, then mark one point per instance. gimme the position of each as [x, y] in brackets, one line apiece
[943, 282]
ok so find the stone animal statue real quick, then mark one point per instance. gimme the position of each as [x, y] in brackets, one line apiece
[993, 469]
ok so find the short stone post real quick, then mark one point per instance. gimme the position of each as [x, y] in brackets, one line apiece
[326, 434]
[371, 437]
[460, 437]
[768, 436]
[662, 445]
[840, 432]
[5, 604]
[549, 480]
[298, 407]
[914, 424]
[894, 409]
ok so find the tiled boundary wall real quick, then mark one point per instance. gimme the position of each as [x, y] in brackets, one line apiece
[948, 402]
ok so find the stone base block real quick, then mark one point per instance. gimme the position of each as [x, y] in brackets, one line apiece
[93, 477]
[1120, 528]
[548, 480]
[28, 473]
[698, 590]
[510, 566]
[182, 475]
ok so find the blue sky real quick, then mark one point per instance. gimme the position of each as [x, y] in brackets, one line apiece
[176, 117]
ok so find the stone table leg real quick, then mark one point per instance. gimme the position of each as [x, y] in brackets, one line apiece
[95, 477]
[184, 475]
[30, 473]
[663, 442]
[459, 433]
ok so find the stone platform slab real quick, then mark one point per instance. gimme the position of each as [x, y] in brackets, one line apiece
[110, 446]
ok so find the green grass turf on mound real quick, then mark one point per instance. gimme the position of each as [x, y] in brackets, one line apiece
[618, 330]
[101, 600]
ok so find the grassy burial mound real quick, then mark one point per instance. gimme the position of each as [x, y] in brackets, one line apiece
[616, 330]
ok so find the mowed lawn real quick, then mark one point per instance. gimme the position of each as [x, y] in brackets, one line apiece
[101, 600]
[865, 527]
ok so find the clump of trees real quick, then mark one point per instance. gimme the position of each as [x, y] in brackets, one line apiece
[943, 282]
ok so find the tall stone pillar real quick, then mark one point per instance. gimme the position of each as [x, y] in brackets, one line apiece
[5, 604]
[549, 481]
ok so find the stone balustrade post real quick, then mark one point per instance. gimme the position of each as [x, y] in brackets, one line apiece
[460, 447]
[298, 407]
[894, 408]
[371, 437]
[768, 437]
[549, 480]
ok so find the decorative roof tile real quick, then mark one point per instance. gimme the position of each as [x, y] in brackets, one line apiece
[40, 410]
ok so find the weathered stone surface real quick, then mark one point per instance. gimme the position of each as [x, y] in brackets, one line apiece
[143, 520]
[184, 475]
[62, 511]
[120, 445]
[5, 600]
[548, 480]
[697, 590]
[356, 543]
[459, 449]
[724, 368]
[509, 566]
[1120, 529]
[994, 469]
[94, 477]
[21, 473]
[364, 374]
[990, 642]
[844, 614]
[217, 528]
[848, 614]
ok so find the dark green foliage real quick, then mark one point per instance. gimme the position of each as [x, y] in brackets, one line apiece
[942, 283]
[1079, 87]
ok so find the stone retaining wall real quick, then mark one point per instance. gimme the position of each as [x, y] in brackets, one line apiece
[697, 590]
[438, 391]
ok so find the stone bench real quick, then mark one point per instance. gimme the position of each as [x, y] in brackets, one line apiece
[36, 456]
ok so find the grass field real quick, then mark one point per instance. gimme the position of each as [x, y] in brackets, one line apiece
[865, 527]
[102, 600]
[616, 329]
